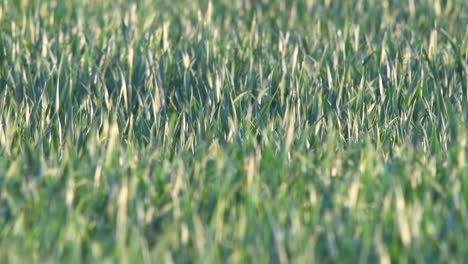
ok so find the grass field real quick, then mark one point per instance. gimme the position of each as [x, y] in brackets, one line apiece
[254, 131]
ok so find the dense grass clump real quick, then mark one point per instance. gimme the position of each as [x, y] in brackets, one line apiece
[247, 131]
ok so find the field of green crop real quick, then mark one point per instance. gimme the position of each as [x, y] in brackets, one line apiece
[253, 131]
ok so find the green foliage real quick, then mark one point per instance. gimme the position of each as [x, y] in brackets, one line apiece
[249, 131]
